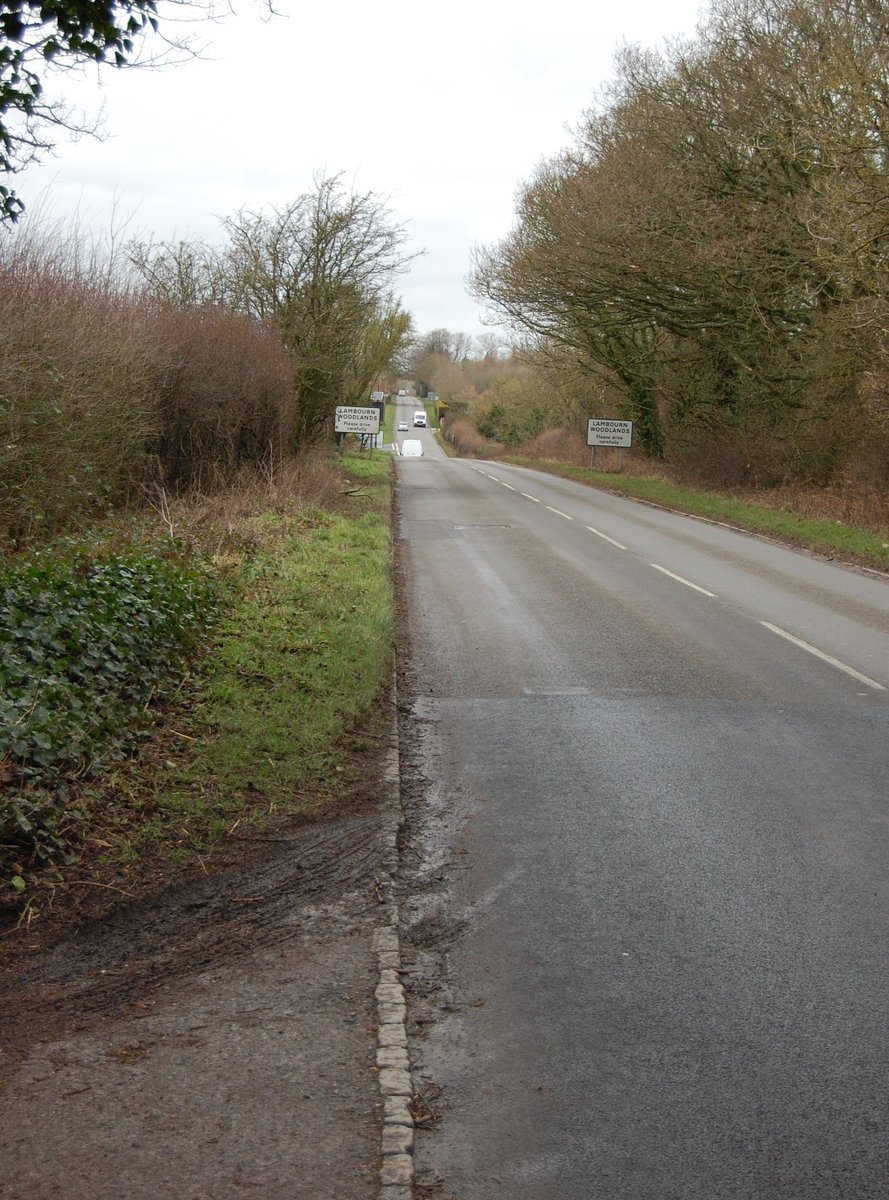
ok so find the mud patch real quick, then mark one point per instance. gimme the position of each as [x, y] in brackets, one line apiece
[112, 961]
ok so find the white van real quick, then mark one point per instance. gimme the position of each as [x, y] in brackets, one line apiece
[420, 418]
[412, 448]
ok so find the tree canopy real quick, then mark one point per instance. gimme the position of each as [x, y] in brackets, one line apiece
[34, 37]
[714, 244]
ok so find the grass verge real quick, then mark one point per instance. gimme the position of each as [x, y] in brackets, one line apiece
[835, 539]
[275, 722]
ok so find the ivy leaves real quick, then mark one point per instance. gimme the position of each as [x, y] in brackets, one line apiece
[81, 651]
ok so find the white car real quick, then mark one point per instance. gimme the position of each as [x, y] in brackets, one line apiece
[412, 448]
[402, 427]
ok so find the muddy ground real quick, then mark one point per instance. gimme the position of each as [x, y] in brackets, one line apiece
[213, 1038]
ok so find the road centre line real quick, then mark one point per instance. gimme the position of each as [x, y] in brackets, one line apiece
[606, 538]
[834, 662]
[687, 582]
[827, 658]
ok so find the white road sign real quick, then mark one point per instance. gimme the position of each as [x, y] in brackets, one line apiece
[350, 419]
[600, 432]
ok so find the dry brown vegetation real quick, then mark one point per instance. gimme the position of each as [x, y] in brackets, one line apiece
[462, 434]
[167, 368]
[710, 253]
[104, 398]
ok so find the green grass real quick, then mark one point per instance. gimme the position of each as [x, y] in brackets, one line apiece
[276, 716]
[301, 656]
[833, 538]
[303, 652]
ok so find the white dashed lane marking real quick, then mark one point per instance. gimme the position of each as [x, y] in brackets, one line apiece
[686, 582]
[606, 538]
[828, 658]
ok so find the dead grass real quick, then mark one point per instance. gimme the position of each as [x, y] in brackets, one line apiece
[865, 510]
[851, 501]
[227, 519]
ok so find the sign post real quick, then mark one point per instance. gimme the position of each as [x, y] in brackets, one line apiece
[602, 432]
[349, 419]
[359, 420]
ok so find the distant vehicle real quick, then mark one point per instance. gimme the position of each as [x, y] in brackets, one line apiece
[411, 448]
[402, 427]
[402, 392]
[420, 418]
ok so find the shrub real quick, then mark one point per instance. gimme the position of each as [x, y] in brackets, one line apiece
[466, 439]
[83, 648]
[76, 410]
[224, 396]
[104, 394]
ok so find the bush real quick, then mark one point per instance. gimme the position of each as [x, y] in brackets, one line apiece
[83, 648]
[224, 396]
[105, 395]
[466, 439]
[76, 404]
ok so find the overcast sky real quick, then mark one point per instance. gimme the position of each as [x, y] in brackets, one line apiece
[443, 110]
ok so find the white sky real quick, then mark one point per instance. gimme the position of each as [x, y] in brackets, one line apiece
[441, 110]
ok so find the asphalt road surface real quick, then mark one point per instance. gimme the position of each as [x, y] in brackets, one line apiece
[656, 752]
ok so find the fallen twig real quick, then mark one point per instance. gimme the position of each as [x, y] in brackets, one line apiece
[94, 883]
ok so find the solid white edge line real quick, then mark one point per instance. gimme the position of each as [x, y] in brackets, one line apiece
[527, 497]
[687, 582]
[606, 538]
[834, 662]
[558, 512]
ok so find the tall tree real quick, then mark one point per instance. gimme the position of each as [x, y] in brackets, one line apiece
[716, 240]
[320, 270]
[36, 35]
[40, 37]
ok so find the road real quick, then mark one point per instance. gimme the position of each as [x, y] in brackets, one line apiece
[654, 847]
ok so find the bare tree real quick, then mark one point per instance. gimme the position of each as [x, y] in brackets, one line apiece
[182, 274]
[715, 243]
[41, 37]
[320, 270]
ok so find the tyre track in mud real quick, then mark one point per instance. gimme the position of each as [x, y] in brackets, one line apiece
[268, 898]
